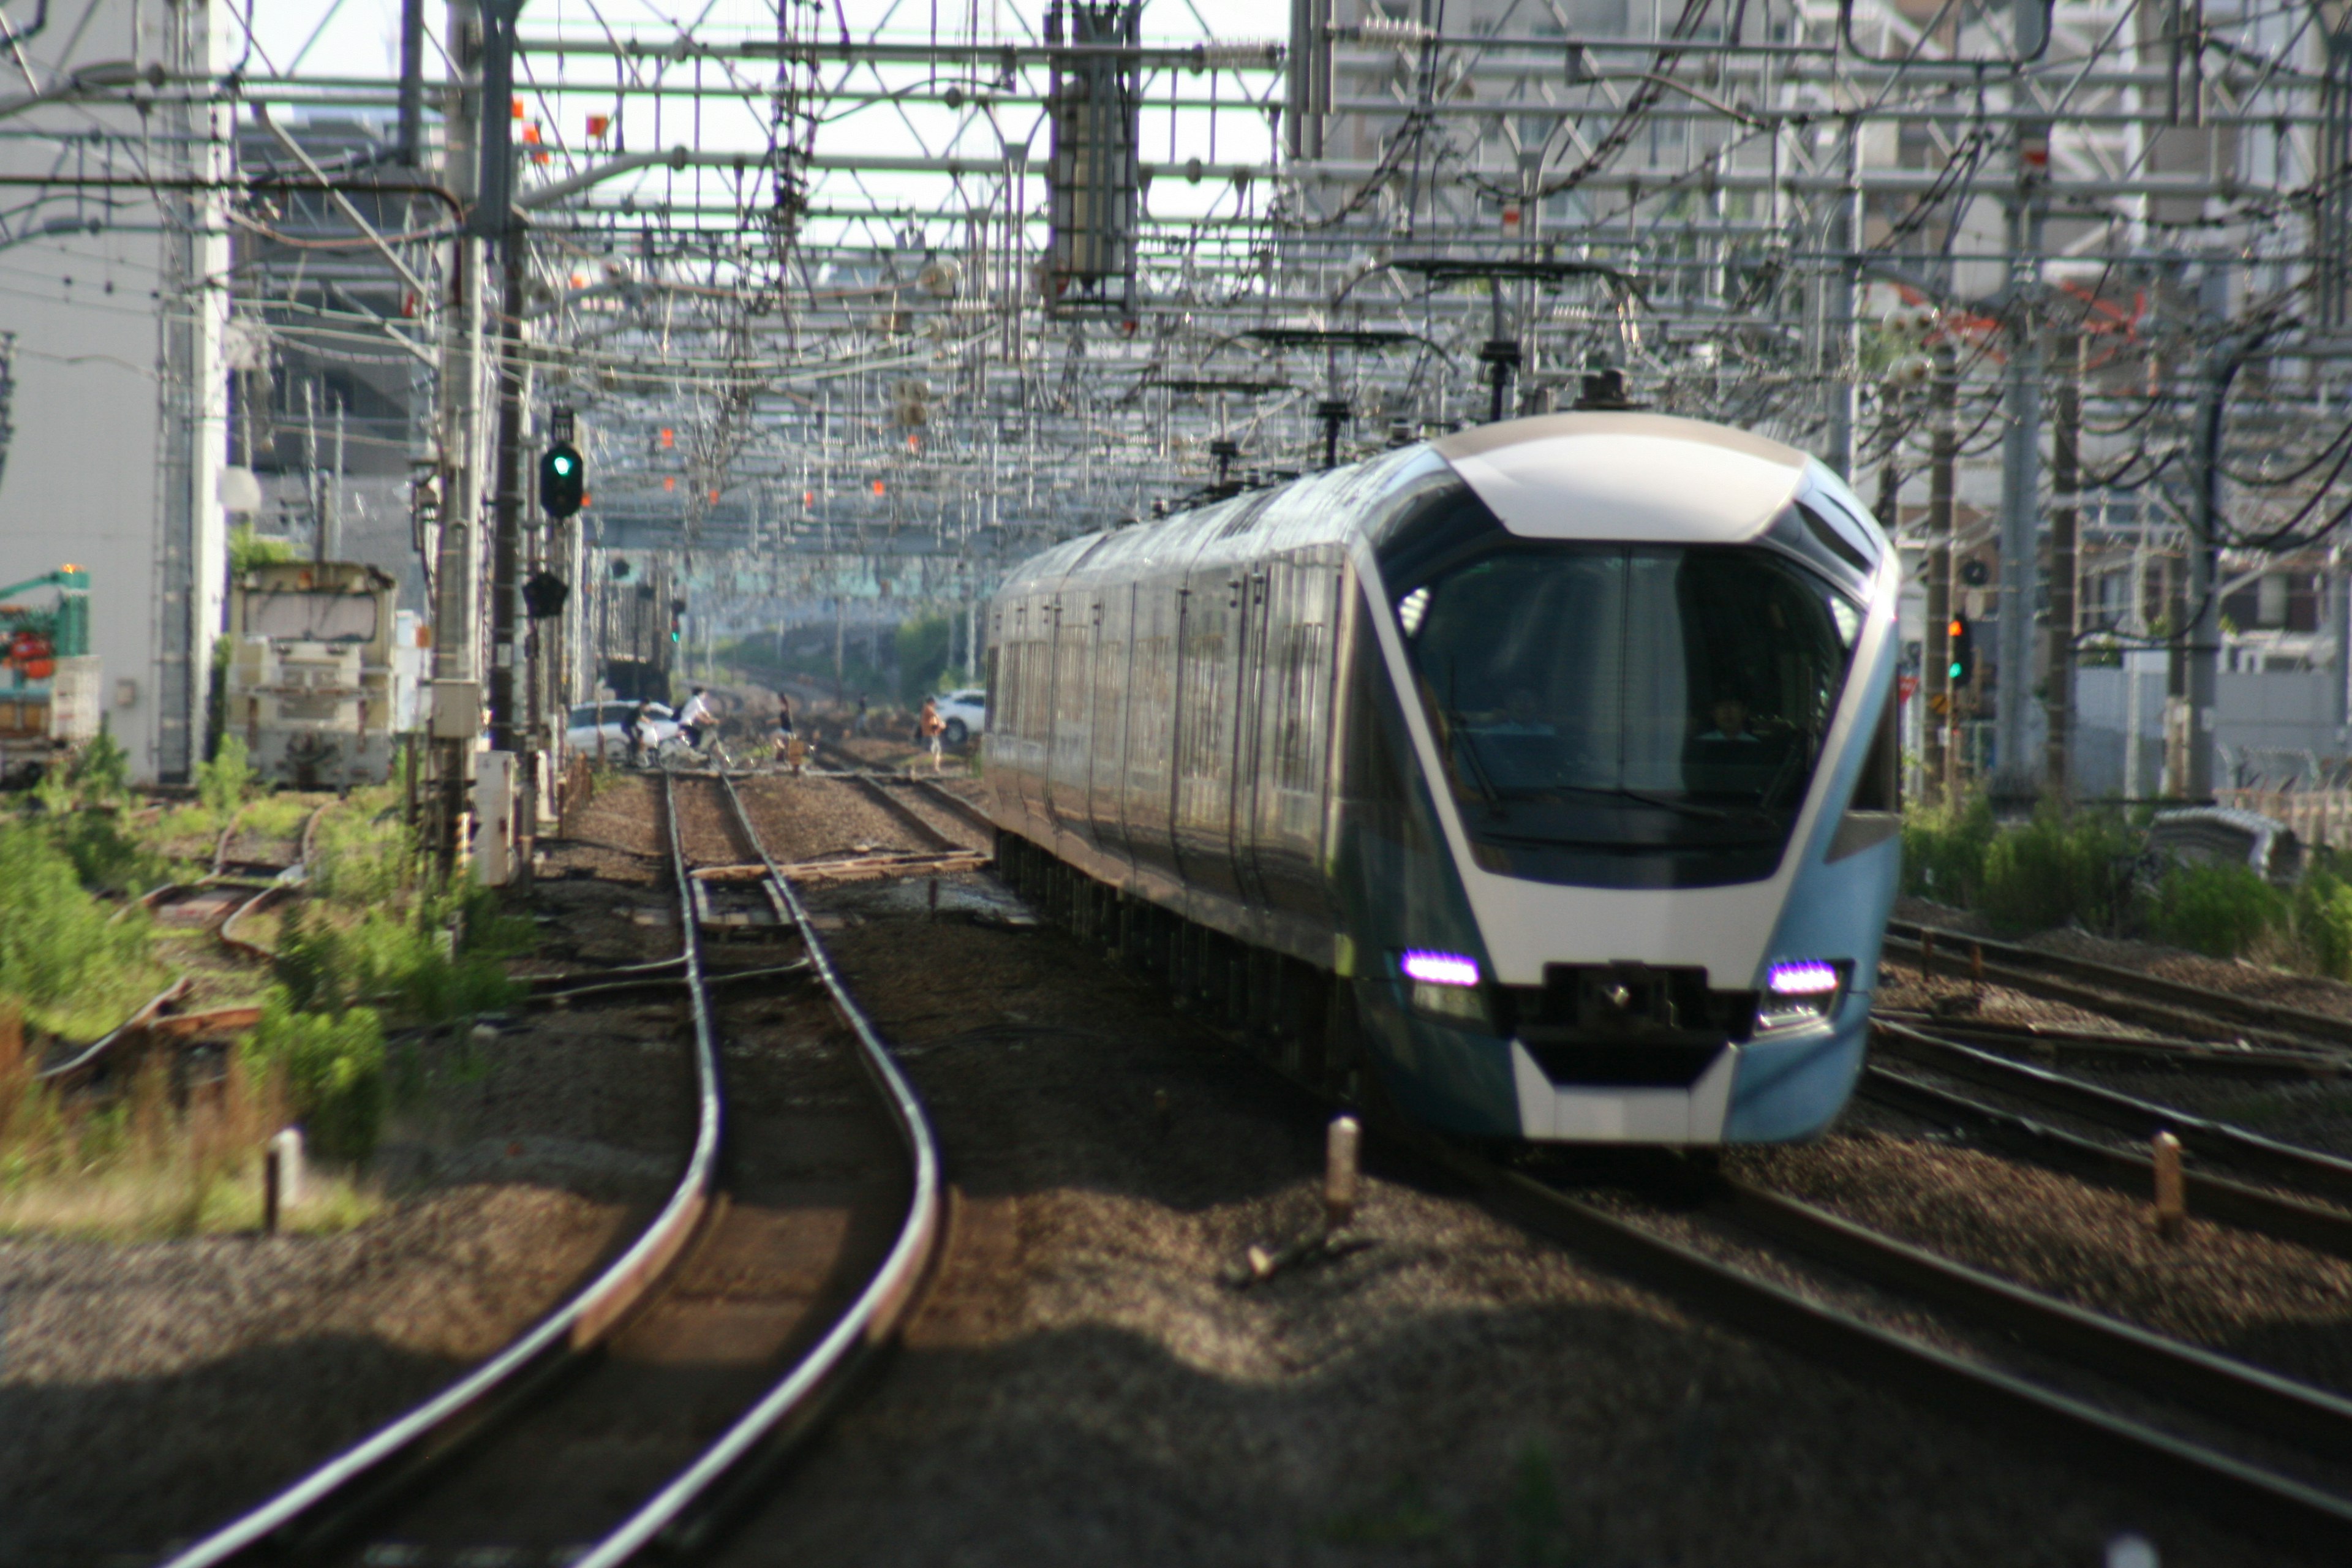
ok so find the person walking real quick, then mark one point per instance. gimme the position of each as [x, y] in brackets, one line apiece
[643, 736]
[787, 747]
[933, 728]
[861, 712]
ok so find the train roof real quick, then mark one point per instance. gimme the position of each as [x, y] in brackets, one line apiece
[1648, 478]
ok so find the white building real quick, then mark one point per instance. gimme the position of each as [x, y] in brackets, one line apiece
[113, 286]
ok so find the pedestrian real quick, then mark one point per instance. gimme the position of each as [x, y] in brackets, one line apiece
[861, 712]
[644, 735]
[783, 725]
[933, 729]
[692, 718]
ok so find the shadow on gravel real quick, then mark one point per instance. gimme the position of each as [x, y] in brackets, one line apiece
[115, 1470]
[1616, 1438]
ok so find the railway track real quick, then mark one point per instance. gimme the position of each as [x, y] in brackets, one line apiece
[2159, 1413]
[2203, 1018]
[2279, 1417]
[640, 1414]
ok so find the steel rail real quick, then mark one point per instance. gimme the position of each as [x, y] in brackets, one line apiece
[688, 1512]
[2209, 1196]
[2289, 1163]
[333, 1493]
[2052, 1041]
[2048, 974]
[954, 804]
[2188, 1376]
[901, 813]
[89, 1056]
[2244, 1494]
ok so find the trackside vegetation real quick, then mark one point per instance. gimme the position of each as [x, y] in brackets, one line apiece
[2091, 869]
[371, 962]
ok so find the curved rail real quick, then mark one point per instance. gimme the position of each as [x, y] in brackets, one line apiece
[2215, 1197]
[670, 1519]
[89, 1056]
[2306, 1168]
[2142, 998]
[354, 1476]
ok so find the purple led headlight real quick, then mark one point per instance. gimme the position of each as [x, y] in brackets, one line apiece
[1439, 968]
[1807, 977]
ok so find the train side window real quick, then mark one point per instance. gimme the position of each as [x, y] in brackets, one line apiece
[1880, 787]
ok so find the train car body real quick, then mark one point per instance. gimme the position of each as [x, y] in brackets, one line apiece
[312, 675]
[1540, 779]
[629, 620]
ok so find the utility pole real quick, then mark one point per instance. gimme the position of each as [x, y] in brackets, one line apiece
[457, 694]
[1844, 352]
[2201, 649]
[2065, 476]
[2020, 462]
[1937, 758]
[494, 218]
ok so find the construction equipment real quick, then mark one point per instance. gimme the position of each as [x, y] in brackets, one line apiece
[48, 676]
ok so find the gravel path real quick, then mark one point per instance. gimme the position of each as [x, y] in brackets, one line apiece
[1083, 1386]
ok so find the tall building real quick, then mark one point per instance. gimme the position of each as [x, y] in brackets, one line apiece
[113, 286]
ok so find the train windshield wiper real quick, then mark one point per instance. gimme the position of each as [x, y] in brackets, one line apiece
[1663, 802]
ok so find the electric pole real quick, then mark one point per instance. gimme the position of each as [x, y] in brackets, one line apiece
[2065, 476]
[1942, 715]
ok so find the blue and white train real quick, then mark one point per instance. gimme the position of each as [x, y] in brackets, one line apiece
[1540, 780]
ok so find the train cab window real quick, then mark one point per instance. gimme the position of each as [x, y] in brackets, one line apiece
[1627, 716]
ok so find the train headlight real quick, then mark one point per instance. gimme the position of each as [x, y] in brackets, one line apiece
[1439, 968]
[1444, 984]
[1799, 990]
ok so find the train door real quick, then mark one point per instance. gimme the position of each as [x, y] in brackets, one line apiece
[1207, 666]
[1071, 743]
[1152, 714]
[1113, 630]
[1251, 691]
[1294, 720]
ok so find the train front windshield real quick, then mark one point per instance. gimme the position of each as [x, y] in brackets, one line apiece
[1629, 716]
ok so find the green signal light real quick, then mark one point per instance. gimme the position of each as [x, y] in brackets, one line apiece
[562, 467]
[1956, 671]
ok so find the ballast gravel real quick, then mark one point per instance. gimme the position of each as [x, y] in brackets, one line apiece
[1085, 1383]
[2246, 1295]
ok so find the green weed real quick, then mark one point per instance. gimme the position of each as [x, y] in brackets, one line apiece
[225, 782]
[2322, 919]
[1944, 850]
[2060, 868]
[1403, 1518]
[330, 1066]
[2220, 910]
[60, 946]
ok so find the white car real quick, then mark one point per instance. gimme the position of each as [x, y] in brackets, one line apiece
[966, 714]
[601, 729]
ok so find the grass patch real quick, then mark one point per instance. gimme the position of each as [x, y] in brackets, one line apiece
[274, 816]
[1944, 850]
[146, 1166]
[66, 963]
[2060, 868]
[2218, 910]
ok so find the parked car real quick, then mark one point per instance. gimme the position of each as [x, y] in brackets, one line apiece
[603, 727]
[966, 714]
